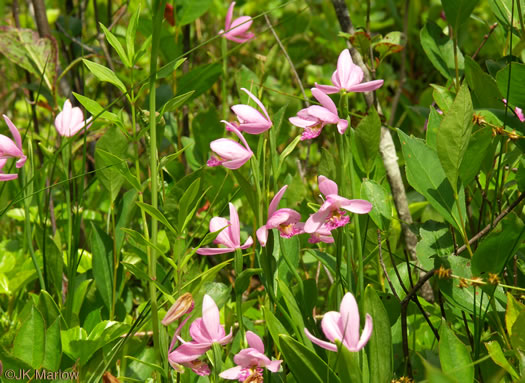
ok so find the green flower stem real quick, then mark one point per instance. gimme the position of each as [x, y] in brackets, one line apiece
[157, 24]
[224, 52]
[238, 265]
[217, 361]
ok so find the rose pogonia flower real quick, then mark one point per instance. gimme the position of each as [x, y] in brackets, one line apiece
[250, 362]
[230, 236]
[332, 212]
[285, 220]
[71, 120]
[250, 119]
[11, 149]
[315, 117]
[229, 153]
[344, 327]
[205, 331]
[237, 31]
[322, 234]
[517, 111]
[348, 77]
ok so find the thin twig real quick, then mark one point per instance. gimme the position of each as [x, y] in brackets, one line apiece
[485, 38]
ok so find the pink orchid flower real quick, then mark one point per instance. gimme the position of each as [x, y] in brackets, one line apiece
[344, 327]
[205, 331]
[229, 153]
[332, 212]
[250, 362]
[348, 77]
[323, 234]
[71, 120]
[11, 149]
[230, 236]
[285, 220]
[315, 117]
[237, 31]
[250, 119]
[518, 111]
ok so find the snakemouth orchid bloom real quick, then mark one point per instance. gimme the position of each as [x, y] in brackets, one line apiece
[315, 117]
[71, 120]
[230, 235]
[250, 362]
[250, 119]
[348, 77]
[237, 31]
[11, 149]
[229, 153]
[285, 220]
[205, 331]
[517, 111]
[332, 212]
[344, 327]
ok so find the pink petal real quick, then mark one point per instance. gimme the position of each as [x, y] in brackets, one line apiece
[350, 320]
[224, 238]
[302, 122]
[331, 325]
[198, 332]
[366, 86]
[229, 16]
[214, 250]
[344, 67]
[248, 243]
[233, 373]
[317, 219]
[254, 127]
[254, 341]
[324, 100]
[327, 186]
[250, 357]
[240, 40]
[8, 148]
[321, 343]
[262, 235]
[237, 163]
[229, 149]
[14, 131]
[235, 228]
[356, 76]
[328, 89]
[8, 177]
[239, 26]
[274, 365]
[358, 206]
[211, 318]
[247, 113]
[275, 200]
[231, 128]
[225, 339]
[335, 80]
[258, 102]
[283, 216]
[367, 332]
[323, 114]
[188, 352]
[342, 125]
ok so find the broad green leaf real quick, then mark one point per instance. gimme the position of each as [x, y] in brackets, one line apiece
[104, 74]
[458, 11]
[426, 175]
[199, 79]
[275, 327]
[516, 96]
[304, 364]
[102, 250]
[295, 313]
[288, 253]
[26, 49]
[157, 214]
[454, 134]
[79, 297]
[368, 135]
[434, 121]
[381, 214]
[30, 340]
[514, 309]
[54, 266]
[502, 9]
[112, 39]
[53, 348]
[191, 10]
[436, 240]
[348, 364]
[175, 102]
[287, 151]
[114, 142]
[520, 176]
[440, 50]
[243, 280]
[454, 356]
[495, 250]
[517, 339]
[48, 307]
[187, 202]
[380, 343]
[393, 42]
[171, 157]
[95, 108]
[485, 92]
[443, 97]
[140, 239]
[434, 375]
[496, 354]
[477, 151]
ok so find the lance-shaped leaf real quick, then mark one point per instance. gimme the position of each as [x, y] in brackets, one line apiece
[454, 134]
[454, 356]
[458, 11]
